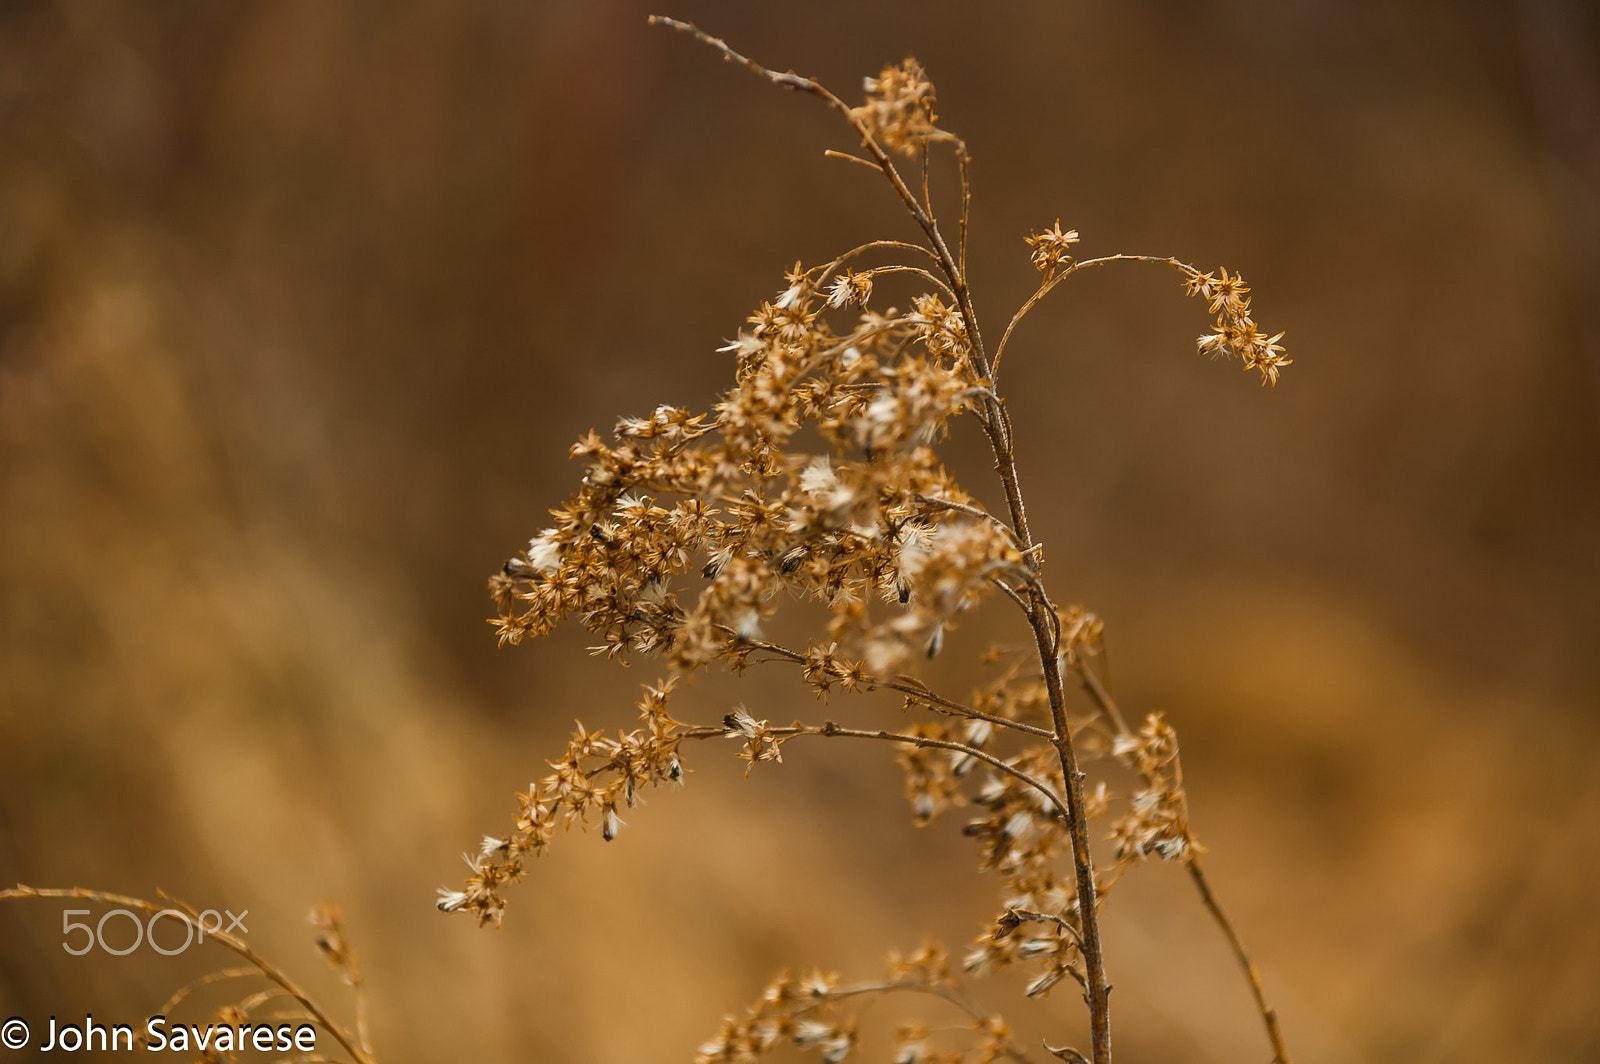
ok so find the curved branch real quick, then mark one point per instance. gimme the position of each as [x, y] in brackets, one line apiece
[1049, 918]
[921, 215]
[205, 980]
[912, 269]
[871, 245]
[186, 911]
[905, 685]
[1098, 693]
[1269, 1015]
[1054, 278]
[974, 511]
[830, 729]
[946, 992]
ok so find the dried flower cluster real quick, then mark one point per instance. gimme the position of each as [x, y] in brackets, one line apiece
[596, 777]
[815, 478]
[1052, 248]
[898, 112]
[1157, 821]
[813, 1012]
[1235, 332]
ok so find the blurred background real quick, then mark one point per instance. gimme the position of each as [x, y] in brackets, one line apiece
[302, 302]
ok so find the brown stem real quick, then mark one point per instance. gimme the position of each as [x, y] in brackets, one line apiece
[1097, 691]
[961, 507]
[949, 993]
[925, 220]
[909, 685]
[966, 205]
[1050, 918]
[1269, 1015]
[997, 427]
[871, 245]
[829, 729]
[1098, 990]
[875, 270]
[1054, 278]
[205, 980]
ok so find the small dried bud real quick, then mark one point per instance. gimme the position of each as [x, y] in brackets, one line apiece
[716, 562]
[519, 568]
[850, 289]
[329, 922]
[899, 108]
[1041, 986]
[1051, 248]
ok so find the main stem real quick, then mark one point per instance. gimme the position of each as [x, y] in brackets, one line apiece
[997, 426]
[1098, 991]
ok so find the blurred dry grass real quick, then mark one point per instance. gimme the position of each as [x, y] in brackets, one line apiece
[300, 304]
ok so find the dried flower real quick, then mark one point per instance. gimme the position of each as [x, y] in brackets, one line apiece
[1235, 332]
[814, 478]
[1052, 247]
[899, 108]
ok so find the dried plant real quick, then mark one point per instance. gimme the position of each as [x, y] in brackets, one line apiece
[690, 530]
[280, 1000]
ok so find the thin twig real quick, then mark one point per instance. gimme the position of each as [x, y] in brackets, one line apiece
[874, 271]
[923, 218]
[1097, 691]
[907, 685]
[846, 156]
[946, 992]
[1050, 918]
[974, 511]
[832, 730]
[871, 245]
[966, 205]
[927, 197]
[1054, 278]
[1011, 593]
[205, 980]
[1269, 1015]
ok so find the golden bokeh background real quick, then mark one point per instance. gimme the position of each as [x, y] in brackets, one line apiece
[301, 303]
